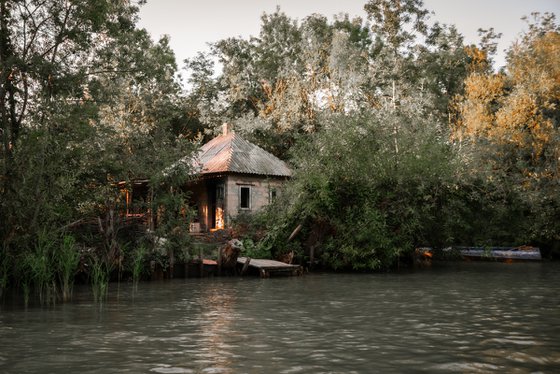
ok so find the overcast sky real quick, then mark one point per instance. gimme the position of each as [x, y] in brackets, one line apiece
[193, 24]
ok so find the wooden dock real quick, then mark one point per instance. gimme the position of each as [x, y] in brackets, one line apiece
[266, 268]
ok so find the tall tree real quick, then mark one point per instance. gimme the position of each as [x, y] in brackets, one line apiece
[85, 98]
[46, 56]
[396, 25]
[508, 124]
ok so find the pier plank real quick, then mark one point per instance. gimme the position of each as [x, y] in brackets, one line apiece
[268, 267]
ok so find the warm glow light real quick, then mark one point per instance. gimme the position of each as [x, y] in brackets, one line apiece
[219, 218]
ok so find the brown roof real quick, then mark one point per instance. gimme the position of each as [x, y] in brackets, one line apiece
[231, 153]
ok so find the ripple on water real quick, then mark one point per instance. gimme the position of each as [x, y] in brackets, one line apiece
[168, 369]
[507, 341]
[215, 370]
[523, 357]
[467, 367]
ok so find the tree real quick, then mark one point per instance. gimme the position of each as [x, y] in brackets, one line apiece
[357, 209]
[442, 67]
[396, 24]
[508, 127]
[86, 100]
[47, 53]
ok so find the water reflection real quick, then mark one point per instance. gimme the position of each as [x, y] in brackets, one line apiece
[475, 318]
[217, 317]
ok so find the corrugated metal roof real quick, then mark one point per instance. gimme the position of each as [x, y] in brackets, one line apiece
[231, 153]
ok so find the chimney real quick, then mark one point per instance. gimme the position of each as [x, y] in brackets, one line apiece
[226, 128]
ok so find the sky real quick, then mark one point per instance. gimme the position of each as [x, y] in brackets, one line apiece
[192, 24]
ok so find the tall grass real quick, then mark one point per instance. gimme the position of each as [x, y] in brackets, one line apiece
[99, 280]
[138, 257]
[39, 263]
[26, 289]
[67, 259]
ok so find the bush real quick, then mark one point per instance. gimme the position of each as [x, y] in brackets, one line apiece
[363, 203]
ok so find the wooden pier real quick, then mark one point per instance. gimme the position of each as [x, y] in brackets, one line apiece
[266, 268]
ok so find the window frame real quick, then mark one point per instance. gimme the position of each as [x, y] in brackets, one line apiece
[249, 197]
[272, 194]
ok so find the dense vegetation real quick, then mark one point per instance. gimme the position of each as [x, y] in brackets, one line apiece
[400, 136]
[86, 100]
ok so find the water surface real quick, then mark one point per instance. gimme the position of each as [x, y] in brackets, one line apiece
[464, 318]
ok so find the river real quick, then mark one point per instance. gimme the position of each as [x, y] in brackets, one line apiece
[461, 317]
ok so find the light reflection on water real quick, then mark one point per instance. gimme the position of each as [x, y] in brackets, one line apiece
[464, 318]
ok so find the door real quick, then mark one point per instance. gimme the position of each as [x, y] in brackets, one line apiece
[217, 203]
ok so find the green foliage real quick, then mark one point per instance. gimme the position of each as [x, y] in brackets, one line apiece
[87, 100]
[507, 133]
[174, 219]
[252, 250]
[276, 87]
[252, 230]
[362, 205]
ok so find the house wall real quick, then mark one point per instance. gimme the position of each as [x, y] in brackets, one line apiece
[260, 188]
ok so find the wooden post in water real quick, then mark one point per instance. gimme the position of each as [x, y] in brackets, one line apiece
[220, 259]
[311, 257]
[201, 269]
[245, 266]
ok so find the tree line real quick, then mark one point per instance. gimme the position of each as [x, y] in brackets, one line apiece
[400, 134]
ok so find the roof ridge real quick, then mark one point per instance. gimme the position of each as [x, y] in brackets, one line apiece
[233, 153]
[230, 150]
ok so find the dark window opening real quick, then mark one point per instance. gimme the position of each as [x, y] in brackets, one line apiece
[245, 197]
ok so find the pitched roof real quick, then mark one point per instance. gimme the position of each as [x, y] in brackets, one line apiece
[231, 153]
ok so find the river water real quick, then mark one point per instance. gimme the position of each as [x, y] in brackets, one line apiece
[464, 318]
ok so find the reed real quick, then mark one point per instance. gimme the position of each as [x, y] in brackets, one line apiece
[99, 280]
[39, 263]
[26, 289]
[138, 257]
[67, 259]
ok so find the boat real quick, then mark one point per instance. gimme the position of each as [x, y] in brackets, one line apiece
[424, 255]
[524, 253]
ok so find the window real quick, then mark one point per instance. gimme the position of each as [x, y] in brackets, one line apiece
[220, 192]
[245, 197]
[271, 195]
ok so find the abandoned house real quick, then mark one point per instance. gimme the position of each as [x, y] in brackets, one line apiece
[235, 176]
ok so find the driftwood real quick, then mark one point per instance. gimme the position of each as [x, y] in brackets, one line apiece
[295, 232]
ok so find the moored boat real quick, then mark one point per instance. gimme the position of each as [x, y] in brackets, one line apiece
[525, 253]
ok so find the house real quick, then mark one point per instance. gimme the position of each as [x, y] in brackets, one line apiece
[235, 176]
